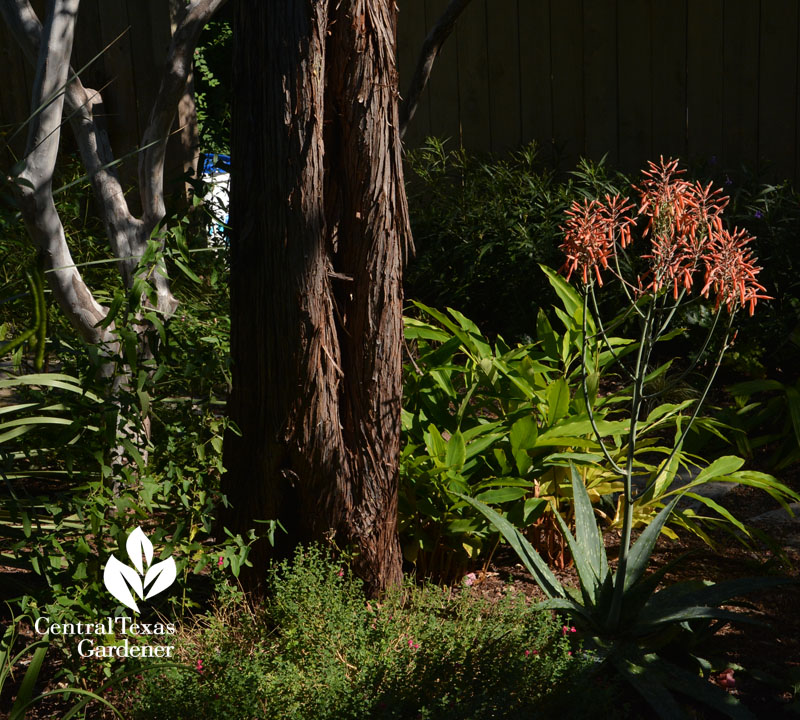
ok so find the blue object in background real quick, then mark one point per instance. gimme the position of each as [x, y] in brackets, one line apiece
[215, 173]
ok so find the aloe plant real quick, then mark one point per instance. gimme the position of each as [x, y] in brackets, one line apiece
[623, 609]
[628, 631]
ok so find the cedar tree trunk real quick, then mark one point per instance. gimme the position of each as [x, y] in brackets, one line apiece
[319, 234]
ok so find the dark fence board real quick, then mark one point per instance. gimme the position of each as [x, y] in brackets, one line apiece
[778, 85]
[635, 86]
[705, 80]
[504, 85]
[566, 70]
[534, 73]
[668, 96]
[600, 78]
[444, 115]
[473, 76]
[410, 36]
[740, 88]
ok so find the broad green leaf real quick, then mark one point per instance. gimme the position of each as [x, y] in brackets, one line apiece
[456, 451]
[721, 466]
[793, 401]
[501, 495]
[570, 298]
[558, 397]
[523, 434]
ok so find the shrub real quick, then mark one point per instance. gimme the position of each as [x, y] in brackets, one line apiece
[482, 227]
[320, 650]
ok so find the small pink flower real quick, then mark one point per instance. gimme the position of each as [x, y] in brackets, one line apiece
[199, 666]
[527, 652]
[573, 629]
[221, 561]
[340, 573]
[569, 652]
[469, 579]
[726, 679]
[564, 630]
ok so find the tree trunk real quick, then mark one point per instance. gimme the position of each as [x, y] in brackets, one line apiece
[319, 233]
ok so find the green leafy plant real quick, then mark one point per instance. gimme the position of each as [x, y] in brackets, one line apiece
[767, 413]
[497, 423]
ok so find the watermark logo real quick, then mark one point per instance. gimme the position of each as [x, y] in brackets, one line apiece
[145, 579]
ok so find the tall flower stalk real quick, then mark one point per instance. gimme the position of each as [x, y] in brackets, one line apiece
[690, 252]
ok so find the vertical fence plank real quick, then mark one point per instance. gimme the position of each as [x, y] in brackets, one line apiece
[444, 83]
[740, 89]
[534, 70]
[668, 33]
[410, 36]
[634, 49]
[88, 43]
[473, 77]
[704, 79]
[503, 54]
[16, 98]
[119, 97]
[600, 72]
[778, 86]
[566, 52]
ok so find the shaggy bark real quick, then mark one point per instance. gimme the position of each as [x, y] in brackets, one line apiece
[319, 231]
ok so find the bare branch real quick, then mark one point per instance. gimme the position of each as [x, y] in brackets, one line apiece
[177, 73]
[35, 182]
[127, 235]
[430, 51]
[93, 143]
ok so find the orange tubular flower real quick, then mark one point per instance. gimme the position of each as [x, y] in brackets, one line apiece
[590, 235]
[731, 271]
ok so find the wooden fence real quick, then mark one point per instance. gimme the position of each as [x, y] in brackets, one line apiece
[634, 79]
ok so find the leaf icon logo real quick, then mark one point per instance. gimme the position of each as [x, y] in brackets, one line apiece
[123, 581]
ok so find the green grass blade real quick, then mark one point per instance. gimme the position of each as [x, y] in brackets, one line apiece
[25, 695]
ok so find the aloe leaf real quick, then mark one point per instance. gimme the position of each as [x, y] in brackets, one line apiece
[648, 686]
[638, 595]
[639, 556]
[588, 580]
[587, 533]
[529, 557]
[648, 620]
[716, 593]
[687, 683]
